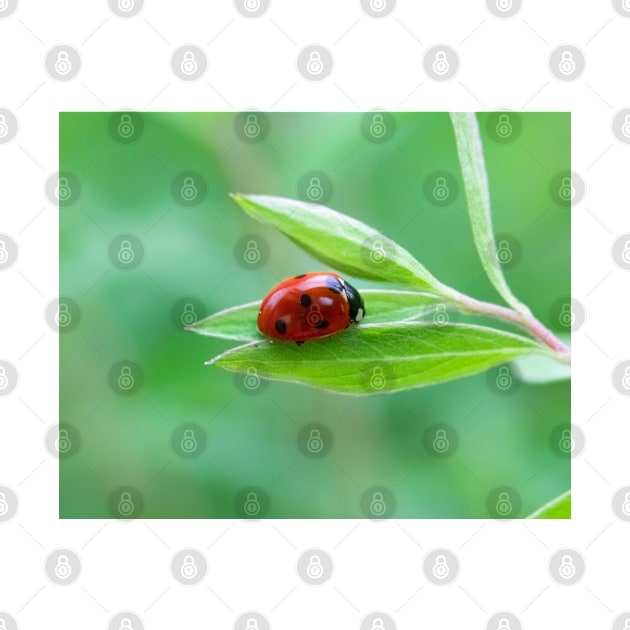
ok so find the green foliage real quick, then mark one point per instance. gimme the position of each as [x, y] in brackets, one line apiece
[378, 358]
[413, 355]
[560, 507]
[470, 152]
[189, 252]
[382, 306]
[339, 240]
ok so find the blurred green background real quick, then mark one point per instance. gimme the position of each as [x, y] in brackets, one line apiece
[149, 238]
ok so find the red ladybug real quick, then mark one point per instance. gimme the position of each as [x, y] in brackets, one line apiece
[310, 306]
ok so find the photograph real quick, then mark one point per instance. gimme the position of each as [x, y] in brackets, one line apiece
[315, 315]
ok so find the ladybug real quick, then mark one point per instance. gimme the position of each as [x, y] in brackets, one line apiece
[310, 306]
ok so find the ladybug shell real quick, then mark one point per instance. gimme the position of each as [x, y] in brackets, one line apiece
[309, 306]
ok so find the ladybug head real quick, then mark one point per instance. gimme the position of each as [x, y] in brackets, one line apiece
[357, 307]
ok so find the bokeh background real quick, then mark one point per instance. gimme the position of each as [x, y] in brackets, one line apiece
[149, 239]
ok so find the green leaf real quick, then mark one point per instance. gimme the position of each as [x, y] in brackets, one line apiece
[560, 507]
[473, 166]
[377, 358]
[538, 369]
[239, 322]
[340, 241]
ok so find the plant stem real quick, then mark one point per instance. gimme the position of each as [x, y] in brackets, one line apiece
[523, 319]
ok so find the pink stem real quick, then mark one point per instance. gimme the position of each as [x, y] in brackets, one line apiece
[524, 320]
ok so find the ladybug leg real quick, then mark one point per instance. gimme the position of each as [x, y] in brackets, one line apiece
[299, 343]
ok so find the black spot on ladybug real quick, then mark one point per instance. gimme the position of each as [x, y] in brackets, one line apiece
[300, 276]
[305, 300]
[322, 324]
[281, 326]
